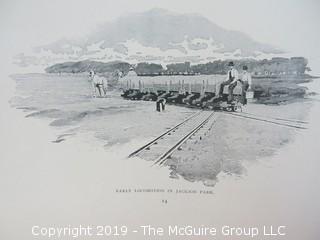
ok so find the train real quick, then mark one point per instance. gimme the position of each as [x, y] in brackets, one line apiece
[204, 100]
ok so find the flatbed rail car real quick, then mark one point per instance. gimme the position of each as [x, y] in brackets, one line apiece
[205, 100]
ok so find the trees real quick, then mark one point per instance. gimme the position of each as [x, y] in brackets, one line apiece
[145, 68]
[179, 67]
[274, 66]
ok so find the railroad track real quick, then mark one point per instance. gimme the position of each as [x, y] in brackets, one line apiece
[278, 118]
[161, 148]
[291, 123]
[194, 128]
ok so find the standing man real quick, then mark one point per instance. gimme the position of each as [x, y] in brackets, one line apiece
[246, 81]
[99, 85]
[91, 73]
[91, 80]
[231, 80]
[163, 104]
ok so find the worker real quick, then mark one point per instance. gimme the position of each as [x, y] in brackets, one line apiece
[231, 80]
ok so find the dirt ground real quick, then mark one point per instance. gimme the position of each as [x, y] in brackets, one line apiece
[231, 144]
[234, 142]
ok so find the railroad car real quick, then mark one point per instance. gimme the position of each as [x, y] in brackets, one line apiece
[195, 99]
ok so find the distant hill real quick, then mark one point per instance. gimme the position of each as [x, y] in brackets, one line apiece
[158, 36]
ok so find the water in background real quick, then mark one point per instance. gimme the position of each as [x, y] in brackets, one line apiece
[66, 100]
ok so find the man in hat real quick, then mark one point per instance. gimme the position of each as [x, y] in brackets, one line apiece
[231, 80]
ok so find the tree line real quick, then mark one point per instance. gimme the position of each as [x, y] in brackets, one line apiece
[274, 66]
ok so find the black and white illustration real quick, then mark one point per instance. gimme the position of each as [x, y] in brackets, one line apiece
[108, 98]
[222, 89]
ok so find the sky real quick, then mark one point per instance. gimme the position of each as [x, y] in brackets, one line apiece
[288, 24]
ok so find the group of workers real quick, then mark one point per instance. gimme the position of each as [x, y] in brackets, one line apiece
[99, 86]
[232, 80]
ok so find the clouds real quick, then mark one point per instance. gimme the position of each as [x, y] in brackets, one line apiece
[289, 24]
